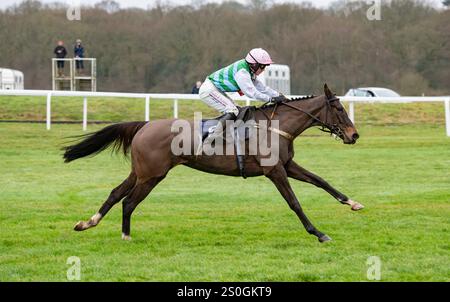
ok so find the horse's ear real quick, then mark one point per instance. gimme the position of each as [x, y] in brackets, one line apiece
[327, 91]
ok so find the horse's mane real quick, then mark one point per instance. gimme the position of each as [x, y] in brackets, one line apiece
[307, 97]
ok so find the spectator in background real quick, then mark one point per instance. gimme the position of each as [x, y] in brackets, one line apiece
[60, 52]
[196, 88]
[79, 53]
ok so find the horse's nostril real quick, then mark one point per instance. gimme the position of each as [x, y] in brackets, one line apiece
[355, 136]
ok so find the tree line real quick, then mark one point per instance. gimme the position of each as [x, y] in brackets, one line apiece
[168, 48]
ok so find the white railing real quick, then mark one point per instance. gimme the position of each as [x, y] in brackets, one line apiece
[176, 97]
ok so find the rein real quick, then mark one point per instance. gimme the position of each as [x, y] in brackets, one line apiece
[332, 129]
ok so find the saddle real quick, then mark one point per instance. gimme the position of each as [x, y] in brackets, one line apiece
[241, 133]
[246, 114]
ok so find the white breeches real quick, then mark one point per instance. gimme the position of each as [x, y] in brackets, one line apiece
[215, 98]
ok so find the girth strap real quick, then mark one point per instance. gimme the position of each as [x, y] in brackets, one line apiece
[282, 133]
[278, 131]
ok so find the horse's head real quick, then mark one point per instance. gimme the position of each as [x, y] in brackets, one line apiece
[337, 118]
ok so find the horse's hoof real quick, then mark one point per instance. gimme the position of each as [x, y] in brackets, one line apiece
[357, 206]
[126, 237]
[325, 238]
[79, 226]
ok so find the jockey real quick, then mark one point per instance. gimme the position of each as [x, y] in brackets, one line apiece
[238, 77]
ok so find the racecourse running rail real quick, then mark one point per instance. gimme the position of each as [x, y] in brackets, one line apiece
[351, 100]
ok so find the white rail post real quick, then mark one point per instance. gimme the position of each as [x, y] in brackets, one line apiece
[147, 108]
[175, 108]
[85, 113]
[49, 110]
[72, 74]
[447, 115]
[53, 75]
[351, 111]
[247, 102]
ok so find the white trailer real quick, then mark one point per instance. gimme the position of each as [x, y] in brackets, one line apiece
[11, 79]
[278, 77]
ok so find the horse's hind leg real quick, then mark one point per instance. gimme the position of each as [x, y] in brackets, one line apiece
[116, 195]
[138, 194]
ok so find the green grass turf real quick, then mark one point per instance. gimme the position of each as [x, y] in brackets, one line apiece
[201, 227]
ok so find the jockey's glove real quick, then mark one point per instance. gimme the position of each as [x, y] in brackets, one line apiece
[279, 99]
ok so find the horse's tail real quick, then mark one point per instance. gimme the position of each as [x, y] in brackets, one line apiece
[93, 143]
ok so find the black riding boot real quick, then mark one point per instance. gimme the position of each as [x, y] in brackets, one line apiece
[221, 124]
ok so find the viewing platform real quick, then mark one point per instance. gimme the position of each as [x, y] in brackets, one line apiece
[71, 78]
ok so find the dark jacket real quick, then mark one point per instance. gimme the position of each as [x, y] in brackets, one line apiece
[79, 51]
[195, 89]
[60, 52]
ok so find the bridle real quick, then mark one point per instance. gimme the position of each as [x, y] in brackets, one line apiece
[325, 127]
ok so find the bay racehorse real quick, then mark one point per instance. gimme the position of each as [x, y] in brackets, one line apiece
[152, 157]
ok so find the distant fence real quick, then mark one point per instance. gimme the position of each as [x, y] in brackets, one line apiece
[176, 97]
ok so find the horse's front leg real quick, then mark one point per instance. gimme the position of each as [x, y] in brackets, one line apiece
[295, 171]
[279, 177]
